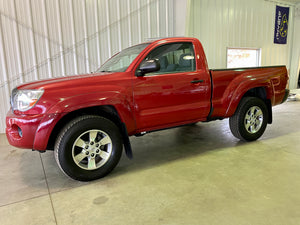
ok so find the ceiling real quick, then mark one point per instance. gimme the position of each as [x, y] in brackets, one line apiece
[291, 1]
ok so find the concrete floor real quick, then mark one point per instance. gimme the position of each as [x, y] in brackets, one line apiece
[196, 174]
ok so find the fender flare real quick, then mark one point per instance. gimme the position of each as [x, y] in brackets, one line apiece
[245, 87]
[112, 98]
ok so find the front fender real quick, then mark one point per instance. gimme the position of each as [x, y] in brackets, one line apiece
[122, 104]
[73, 103]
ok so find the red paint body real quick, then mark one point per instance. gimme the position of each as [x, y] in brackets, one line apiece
[143, 103]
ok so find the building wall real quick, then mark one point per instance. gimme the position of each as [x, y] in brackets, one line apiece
[42, 39]
[180, 10]
[295, 54]
[219, 24]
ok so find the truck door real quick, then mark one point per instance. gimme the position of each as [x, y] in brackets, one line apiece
[178, 93]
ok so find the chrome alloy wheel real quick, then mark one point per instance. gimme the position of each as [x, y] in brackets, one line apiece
[92, 149]
[253, 119]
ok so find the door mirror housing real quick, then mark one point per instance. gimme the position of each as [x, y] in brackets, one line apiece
[148, 66]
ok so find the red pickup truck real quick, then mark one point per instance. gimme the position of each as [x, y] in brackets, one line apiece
[87, 119]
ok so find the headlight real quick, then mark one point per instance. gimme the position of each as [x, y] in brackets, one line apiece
[24, 100]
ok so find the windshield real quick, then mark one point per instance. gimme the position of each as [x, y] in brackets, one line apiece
[121, 61]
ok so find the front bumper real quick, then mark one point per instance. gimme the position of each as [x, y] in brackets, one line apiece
[30, 131]
[21, 129]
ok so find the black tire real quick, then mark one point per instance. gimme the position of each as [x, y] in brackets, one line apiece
[250, 119]
[88, 148]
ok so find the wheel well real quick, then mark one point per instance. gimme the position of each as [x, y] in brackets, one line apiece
[260, 92]
[108, 112]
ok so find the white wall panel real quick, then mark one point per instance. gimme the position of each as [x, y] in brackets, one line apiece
[238, 23]
[42, 39]
[295, 54]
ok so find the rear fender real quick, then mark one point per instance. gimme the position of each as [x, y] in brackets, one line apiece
[244, 88]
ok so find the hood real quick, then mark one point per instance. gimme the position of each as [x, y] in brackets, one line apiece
[83, 80]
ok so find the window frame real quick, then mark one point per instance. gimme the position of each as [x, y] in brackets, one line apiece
[194, 67]
[258, 57]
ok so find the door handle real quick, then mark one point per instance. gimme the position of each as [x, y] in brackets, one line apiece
[197, 81]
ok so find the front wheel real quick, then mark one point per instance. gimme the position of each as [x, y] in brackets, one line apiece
[88, 148]
[250, 119]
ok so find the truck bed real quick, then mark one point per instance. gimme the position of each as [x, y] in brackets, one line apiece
[230, 84]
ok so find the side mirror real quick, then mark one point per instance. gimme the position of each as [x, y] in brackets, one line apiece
[148, 66]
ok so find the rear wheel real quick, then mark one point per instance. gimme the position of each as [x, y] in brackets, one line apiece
[88, 148]
[250, 119]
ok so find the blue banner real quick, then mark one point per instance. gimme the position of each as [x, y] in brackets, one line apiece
[281, 24]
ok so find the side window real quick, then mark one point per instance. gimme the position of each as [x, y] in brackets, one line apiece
[174, 58]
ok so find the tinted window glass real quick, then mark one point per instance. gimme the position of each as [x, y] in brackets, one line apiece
[174, 58]
[121, 61]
